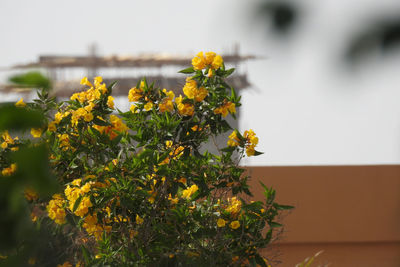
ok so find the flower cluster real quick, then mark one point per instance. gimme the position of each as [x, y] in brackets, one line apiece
[234, 206]
[117, 126]
[227, 107]
[8, 171]
[193, 92]
[187, 193]
[166, 103]
[249, 141]
[209, 60]
[185, 109]
[56, 210]
[8, 141]
[73, 192]
[231, 211]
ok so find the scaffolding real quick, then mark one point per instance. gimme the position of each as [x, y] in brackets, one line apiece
[56, 66]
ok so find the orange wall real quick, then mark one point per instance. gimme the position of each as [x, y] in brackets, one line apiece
[347, 211]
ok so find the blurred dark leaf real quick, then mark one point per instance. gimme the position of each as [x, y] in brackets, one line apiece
[380, 37]
[281, 14]
[33, 168]
[13, 118]
[32, 79]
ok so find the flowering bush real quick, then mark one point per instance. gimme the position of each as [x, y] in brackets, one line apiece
[137, 188]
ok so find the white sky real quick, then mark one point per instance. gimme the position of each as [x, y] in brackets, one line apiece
[303, 106]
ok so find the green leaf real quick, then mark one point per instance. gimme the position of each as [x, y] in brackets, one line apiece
[116, 140]
[86, 254]
[256, 153]
[13, 118]
[275, 224]
[284, 207]
[187, 70]
[97, 121]
[228, 149]
[77, 202]
[260, 260]
[233, 94]
[229, 72]
[110, 87]
[32, 79]
[33, 167]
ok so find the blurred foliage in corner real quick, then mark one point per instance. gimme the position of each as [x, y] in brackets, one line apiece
[381, 36]
[378, 34]
[282, 15]
[32, 79]
[18, 236]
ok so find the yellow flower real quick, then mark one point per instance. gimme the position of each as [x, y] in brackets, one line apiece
[110, 102]
[182, 180]
[234, 225]
[33, 217]
[190, 88]
[133, 233]
[173, 200]
[4, 145]
[9, 170]
[250, 151]
[221, 222]
[52, 126]
[138, 219]
[251, 142]
[217, 62]
[201, 94]
[168, 143]
[58, 117]
[55, 209]
[30, 194]
[20, 103]
[32, 261]
[134, 109]
[8, 140]
[36, 132]
[65, 264]
[233, 139]
[83, 207]
[210, 57]
[97, 81]
[166, 103]
[226, 108]
[90, 107]
[135, 94]
[234, 206]
[187, 193]
[199, 62]
[64, 141]
[88, 117]
[184, 109]
[86, 82]
[193, 92]
[148, 106]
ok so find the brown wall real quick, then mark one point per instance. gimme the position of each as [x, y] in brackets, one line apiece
[350, 212]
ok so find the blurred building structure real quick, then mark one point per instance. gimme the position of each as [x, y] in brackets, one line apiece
[126, 70]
